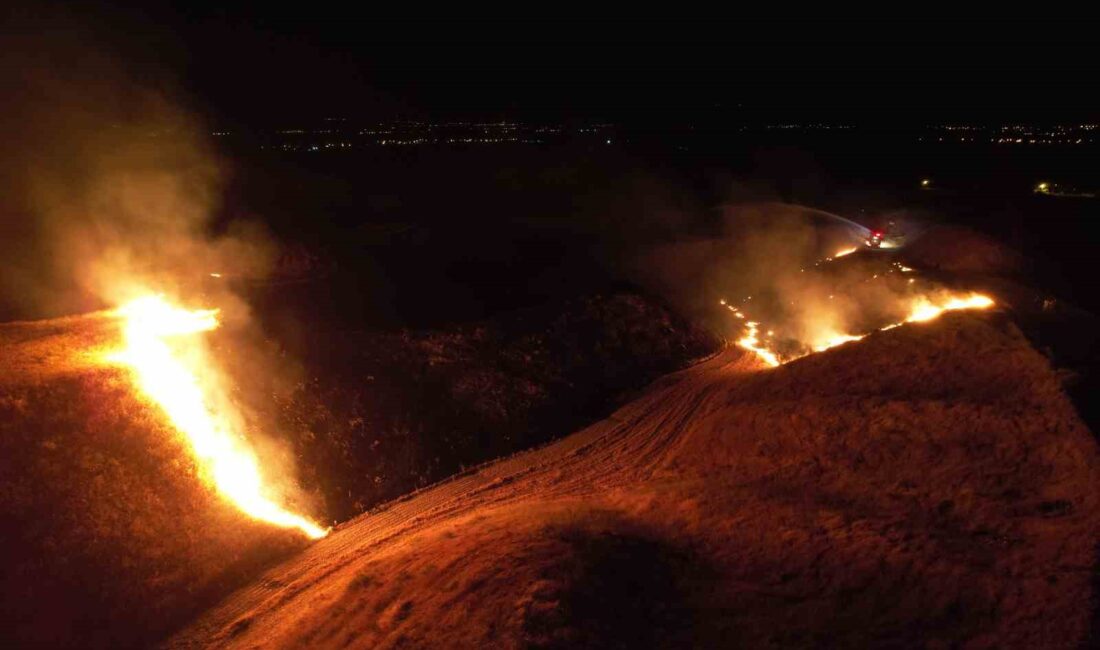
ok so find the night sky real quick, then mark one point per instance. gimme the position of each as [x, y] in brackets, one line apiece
[248, 67]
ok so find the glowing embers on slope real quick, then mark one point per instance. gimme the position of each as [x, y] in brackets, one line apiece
[924, 309]
[168, 361]
[918, 309]
[833, 339]
[751, 342]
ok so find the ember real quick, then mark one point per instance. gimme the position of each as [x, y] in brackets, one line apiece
[752, 342]
[917, 309]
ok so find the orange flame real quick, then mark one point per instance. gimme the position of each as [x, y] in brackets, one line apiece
[924, 309]
[751, 342]
[169, 376]
[833, 339]
[920, 309]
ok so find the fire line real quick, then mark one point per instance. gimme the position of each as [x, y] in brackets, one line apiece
[168, 376]
[920, 309]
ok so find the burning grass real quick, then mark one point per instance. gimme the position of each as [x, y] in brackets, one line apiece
[116, 538]
[179, 381]
[920, 309]
[827, 307]
[930, 483]
[111, 539]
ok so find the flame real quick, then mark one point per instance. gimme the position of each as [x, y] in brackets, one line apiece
[168, 375]
[751, 342]
[844, 251]
[920, 309]
[923, 309]
[833, 339]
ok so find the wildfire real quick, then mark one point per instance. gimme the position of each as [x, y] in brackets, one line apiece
[752, 342]
[919, 309]
[833, 339]
[844, 251]
[169, 375]
[924, 309]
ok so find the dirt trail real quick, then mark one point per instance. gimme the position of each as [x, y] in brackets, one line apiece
[930, 484]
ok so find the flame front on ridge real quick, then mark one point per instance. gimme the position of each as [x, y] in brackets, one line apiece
[168, 375]
[920, 309]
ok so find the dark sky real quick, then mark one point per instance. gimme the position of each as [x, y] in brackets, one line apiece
[247, 66]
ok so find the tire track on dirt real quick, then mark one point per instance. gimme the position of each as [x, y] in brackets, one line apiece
[622, 448]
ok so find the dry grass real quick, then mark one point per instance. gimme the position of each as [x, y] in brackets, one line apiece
[929, 486]
[109, 537]
[386, 413]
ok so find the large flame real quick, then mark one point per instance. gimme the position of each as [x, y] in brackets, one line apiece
[832, 339]
[170, 376]
[924, 309]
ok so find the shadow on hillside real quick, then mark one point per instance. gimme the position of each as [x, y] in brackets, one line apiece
[619, 586]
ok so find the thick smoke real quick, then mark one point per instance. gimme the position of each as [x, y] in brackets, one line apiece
[109, 185]
[772, 261]
[112, 189]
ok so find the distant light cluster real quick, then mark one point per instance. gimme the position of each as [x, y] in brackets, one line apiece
[813, 126]
[330, 137]
[392, 142]
[1014, 134]
[337, 134]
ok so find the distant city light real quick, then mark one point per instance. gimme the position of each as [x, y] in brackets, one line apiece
[343, 134]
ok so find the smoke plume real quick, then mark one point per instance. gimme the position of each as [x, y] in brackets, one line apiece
[108, 182]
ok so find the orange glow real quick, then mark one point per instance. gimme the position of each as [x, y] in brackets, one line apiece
[752, 342]
[168, 364]
[844, 251]
[831, 340]
[924, 309]
[920, 309]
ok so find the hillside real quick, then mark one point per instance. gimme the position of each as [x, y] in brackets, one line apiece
[930, 485]
[109, 537]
